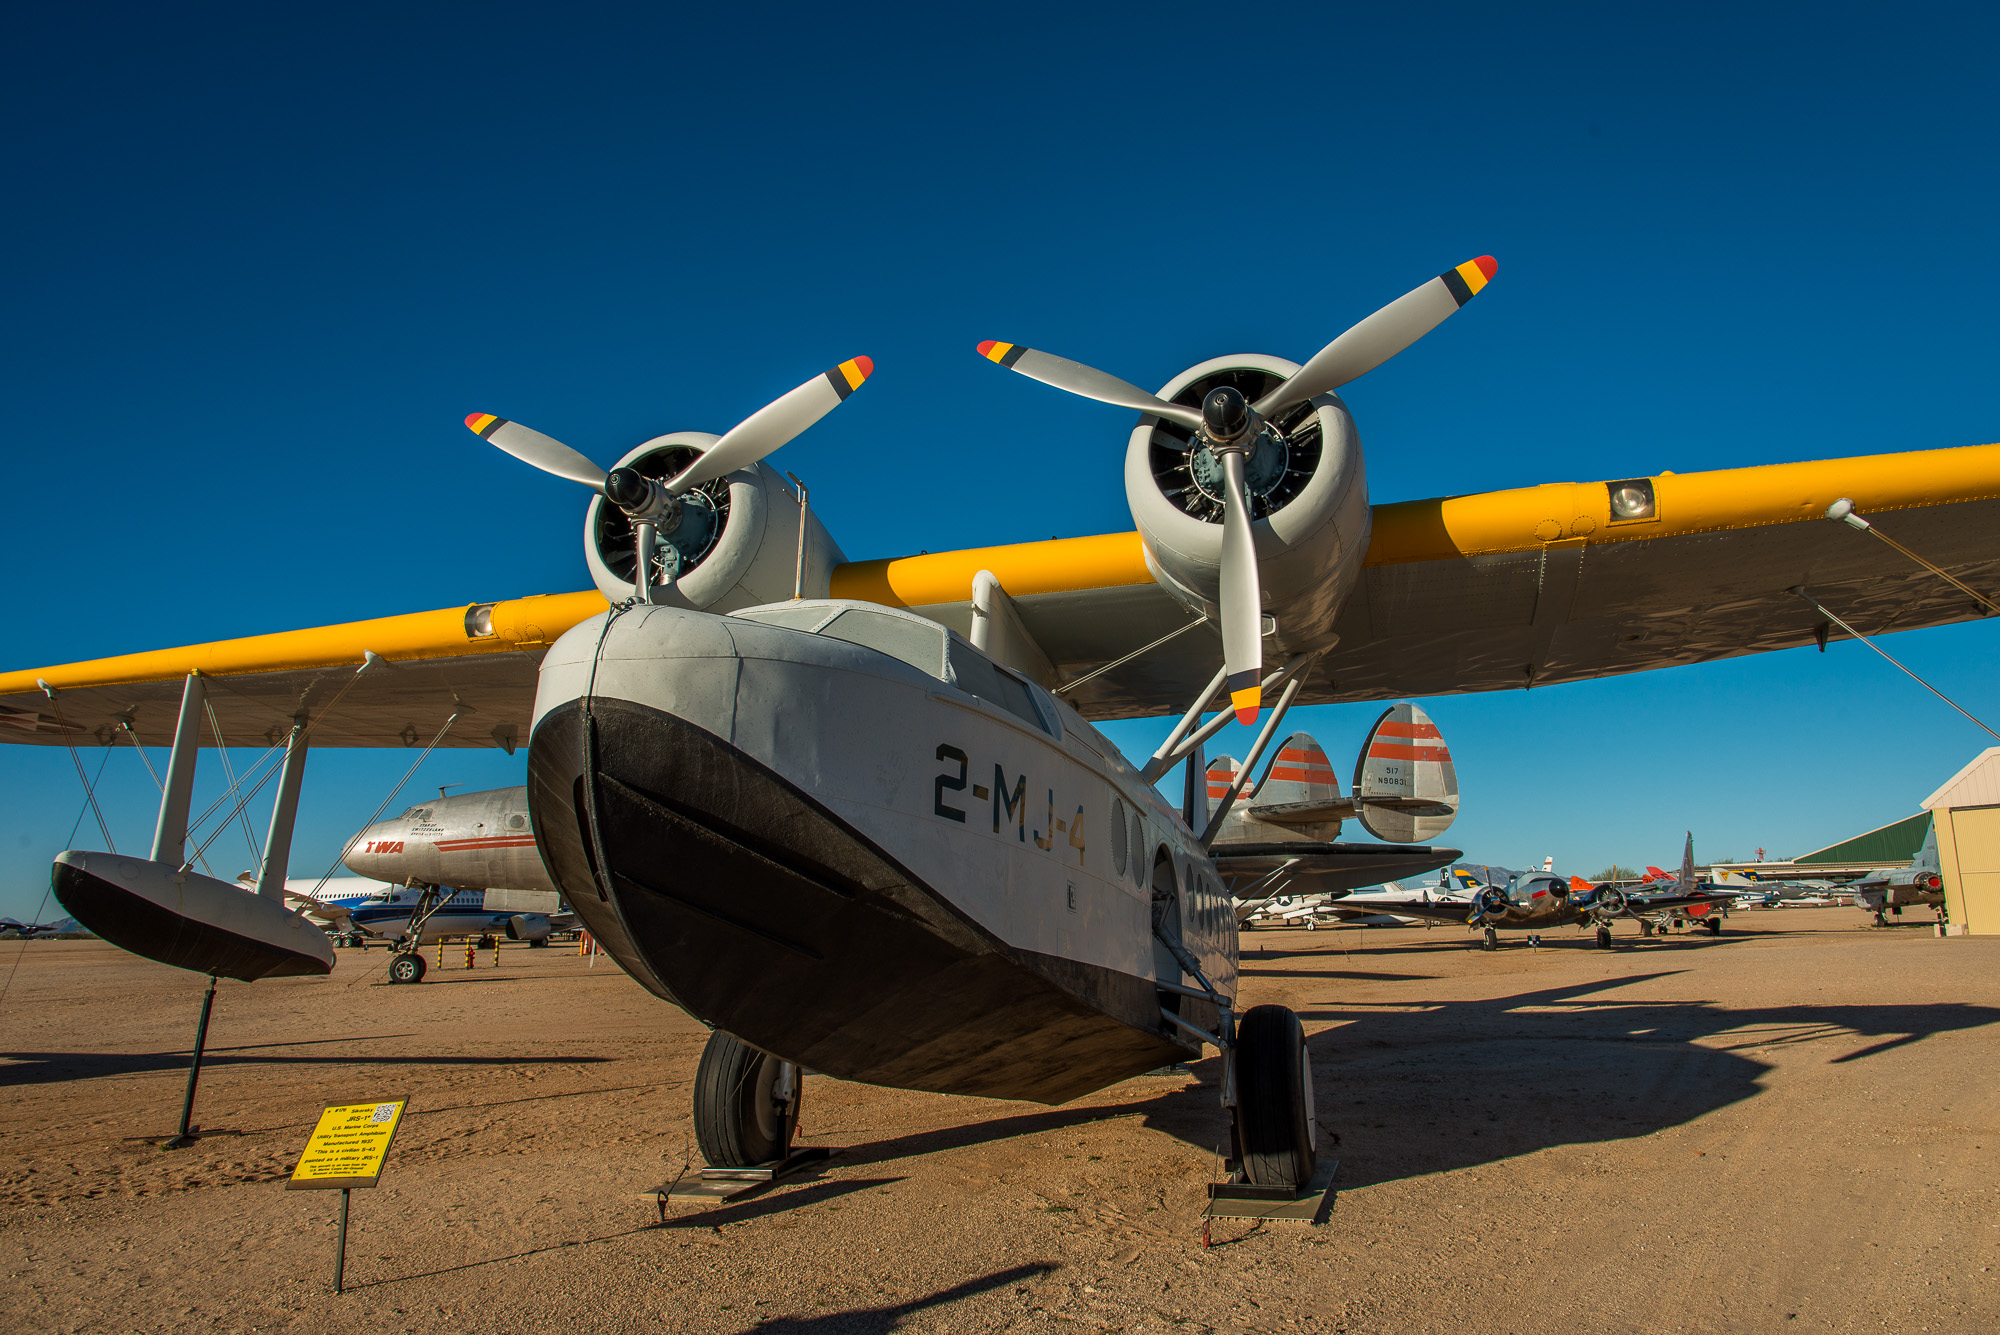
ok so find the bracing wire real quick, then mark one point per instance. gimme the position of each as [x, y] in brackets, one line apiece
[89, 792]
[229, 776]
[48, 889]
[408, 774]
[1906, 671]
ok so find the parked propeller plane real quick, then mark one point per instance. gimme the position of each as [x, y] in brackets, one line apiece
[854, 814]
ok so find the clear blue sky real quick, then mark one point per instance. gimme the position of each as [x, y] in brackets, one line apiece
[264, 260]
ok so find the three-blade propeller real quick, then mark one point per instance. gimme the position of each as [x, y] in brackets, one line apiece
[1229, 427]
[646, 499]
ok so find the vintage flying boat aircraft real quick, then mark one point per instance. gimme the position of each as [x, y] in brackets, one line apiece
[854, 814]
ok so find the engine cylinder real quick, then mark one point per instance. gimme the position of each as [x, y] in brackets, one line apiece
[731, 542]
[1308, 499]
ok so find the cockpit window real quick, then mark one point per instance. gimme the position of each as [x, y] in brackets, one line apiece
[923, 644]
[793, 616]
[918, 643]
[416, 813]
[976, 674]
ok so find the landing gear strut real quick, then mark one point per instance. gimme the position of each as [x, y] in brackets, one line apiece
[406, 958]
[746, 1104]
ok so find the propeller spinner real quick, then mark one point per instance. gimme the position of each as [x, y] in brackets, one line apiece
[1229, 427]
[649, 501]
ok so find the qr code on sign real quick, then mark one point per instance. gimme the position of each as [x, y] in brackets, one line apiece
[384, 1112]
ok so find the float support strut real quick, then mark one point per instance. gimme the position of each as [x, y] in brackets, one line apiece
[170, 835]
[284, 815]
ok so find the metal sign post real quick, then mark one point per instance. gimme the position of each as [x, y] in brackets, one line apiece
[347, 1150]
[186, 1135]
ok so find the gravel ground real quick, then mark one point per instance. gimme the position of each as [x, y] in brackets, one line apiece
[1791, 1127]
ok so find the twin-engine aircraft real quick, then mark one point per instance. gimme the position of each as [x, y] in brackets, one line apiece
[854, 814]
[1532, 902]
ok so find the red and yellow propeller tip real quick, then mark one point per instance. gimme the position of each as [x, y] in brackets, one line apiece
[481, 423]
[847, 377]
[1488, 266]
[1246, 703]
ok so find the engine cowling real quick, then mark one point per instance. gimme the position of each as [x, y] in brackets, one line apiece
[530, 927]
[732, 542]
[1308, 496]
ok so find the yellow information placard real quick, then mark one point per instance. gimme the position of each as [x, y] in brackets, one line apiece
[348, 1146]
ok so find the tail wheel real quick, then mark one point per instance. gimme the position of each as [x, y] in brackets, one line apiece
[739, 1118]
[1274, 1098]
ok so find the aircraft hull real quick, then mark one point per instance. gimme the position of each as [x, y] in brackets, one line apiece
[778, 879]
[186, 919]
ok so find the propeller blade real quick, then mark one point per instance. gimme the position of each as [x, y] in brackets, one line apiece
[775, 424]
[1382, 335]
[1088, 381]
[532, 447]
[1242, 602]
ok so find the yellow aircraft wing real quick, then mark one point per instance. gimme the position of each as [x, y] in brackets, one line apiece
[1528, 587]
[479, 662]
[1507, 589]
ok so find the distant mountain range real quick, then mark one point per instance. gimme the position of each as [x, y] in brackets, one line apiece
[11, 927]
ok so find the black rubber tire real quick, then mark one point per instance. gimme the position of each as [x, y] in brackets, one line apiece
[408, 968]
[1715, 927]
[735, 1122]
[1604, 938]
[1274, 1098]
[1489, 940]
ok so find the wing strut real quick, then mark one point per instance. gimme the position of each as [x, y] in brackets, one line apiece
[1263, 744]
[1180, 745]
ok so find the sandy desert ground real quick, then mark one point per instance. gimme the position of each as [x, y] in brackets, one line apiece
[1793, 1127]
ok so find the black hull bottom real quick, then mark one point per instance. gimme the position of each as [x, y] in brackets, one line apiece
[736, 896]
[133, 922]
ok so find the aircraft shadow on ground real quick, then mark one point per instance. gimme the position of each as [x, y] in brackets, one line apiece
[1466, 1083]
[1345, 975]
[880, 1320]
[40, 1068]
[1410, 1092]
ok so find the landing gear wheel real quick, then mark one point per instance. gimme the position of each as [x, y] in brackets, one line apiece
[1275, 1128]
[739, 1119]
[1311, 926]
[1489, 940]
[1604, 938]
[407, 968]
[1645, 929]
[1880, 921]
[1715, 927]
